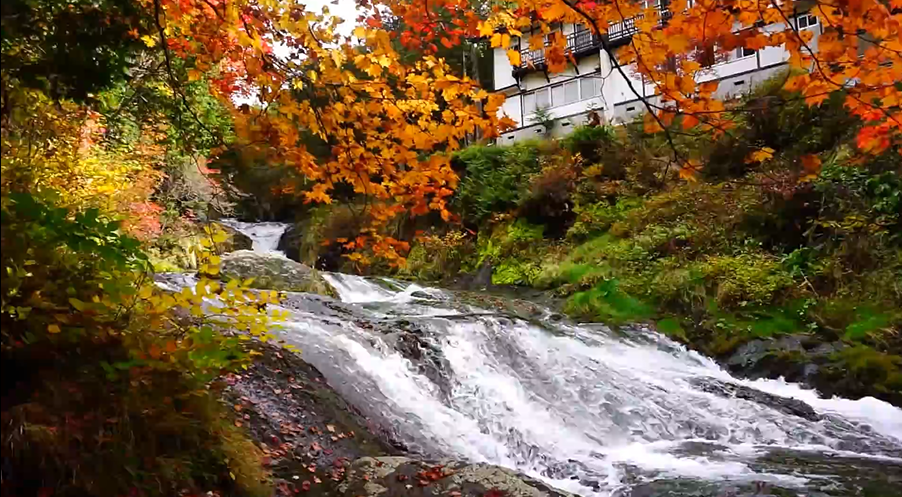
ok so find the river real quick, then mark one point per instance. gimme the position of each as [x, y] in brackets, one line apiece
[588, 409]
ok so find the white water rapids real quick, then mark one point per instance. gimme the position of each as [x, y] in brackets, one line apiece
[588, 409]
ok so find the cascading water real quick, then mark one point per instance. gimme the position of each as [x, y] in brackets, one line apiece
[588, 409]
[265, 236]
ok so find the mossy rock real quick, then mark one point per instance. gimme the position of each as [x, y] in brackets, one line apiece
[274, 272]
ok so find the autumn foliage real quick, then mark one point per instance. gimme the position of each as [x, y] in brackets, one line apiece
[859, 53]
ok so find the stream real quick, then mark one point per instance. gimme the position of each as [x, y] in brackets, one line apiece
[588, 409]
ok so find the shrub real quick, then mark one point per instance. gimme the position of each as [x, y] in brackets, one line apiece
[436, 257]
[105, 386]
[493, 179]
[751, 278]
[589, 142]
[548, 202]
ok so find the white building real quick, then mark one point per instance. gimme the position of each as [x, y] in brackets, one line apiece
[595, 84]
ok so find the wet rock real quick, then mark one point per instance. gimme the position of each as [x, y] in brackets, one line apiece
[403, 476]
[786, 405]
[290, 243]
[237, 240]
[772, 358]
[273, 272]
[305, 429]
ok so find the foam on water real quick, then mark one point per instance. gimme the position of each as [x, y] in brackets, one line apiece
[580, 406]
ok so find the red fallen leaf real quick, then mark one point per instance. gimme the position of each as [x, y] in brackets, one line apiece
[315, 446]
[311, 468]
[495, 493]
[316, 480]
[305, 486]
[402, 477]
[422, 483]
[454, 493]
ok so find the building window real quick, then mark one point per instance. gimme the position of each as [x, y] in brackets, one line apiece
[571, 92]
[807, 21]
[743, 52]
[557, 95]
[586, 88]
[543, 99]
[529, 103]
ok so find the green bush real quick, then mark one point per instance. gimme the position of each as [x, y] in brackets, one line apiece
[589, 142]
[494, 179]
[103, 395]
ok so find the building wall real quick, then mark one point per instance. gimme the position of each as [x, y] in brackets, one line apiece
[613, 92]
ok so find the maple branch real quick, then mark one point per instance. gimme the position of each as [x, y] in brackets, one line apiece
[820, 69]
[649, 108]
[172, 79]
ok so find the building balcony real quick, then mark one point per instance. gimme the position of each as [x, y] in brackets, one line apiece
[583, 42]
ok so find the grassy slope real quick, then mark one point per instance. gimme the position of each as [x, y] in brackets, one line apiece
[747, 252]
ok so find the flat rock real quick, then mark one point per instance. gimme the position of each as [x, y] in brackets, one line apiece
[403, 476]
[273, 272]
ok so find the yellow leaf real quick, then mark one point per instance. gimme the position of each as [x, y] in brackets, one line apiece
[496, 40]
[145, 292]
[485, 29]
[149, 41]
[360, 32]
[514, 56]
[194, 74]
[77, 304]
[760, 155]
[220, 237]
[53, 328]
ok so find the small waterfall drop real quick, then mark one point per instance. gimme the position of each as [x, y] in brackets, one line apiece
[265, 236]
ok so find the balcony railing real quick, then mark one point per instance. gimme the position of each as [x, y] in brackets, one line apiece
[621, 32]
[578, 43]
[584, 41]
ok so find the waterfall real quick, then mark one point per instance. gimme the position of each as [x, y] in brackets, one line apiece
[265, 236]
[588, 409]
[591, 410]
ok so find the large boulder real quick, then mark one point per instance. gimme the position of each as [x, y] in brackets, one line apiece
[237, 240]
[290, 242]
[403, 476]
[273, 272]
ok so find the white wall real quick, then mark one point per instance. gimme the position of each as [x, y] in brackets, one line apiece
[617, 102]
[512, 109]
[503, 71]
